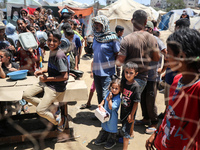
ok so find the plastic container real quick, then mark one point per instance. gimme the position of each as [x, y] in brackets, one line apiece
[65, 45]
[17, 75]
[102, 114]
[41, 36]
[27, 40]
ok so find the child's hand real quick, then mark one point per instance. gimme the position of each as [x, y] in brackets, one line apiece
[43, 78]
[130, 118]
[100, 105]
[12, 69]
[30, 50]
[109, 97]
[37, 73]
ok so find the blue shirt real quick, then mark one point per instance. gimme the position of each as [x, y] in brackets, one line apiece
[104, 57]
[77, 41]
[82, 21]
[111, 125]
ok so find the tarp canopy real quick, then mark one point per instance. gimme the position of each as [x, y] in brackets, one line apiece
[22, 2]
[69, 3]
[120, 13]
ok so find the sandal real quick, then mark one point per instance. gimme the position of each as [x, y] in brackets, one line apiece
[83, 106]
[150, 130]
[62, 127]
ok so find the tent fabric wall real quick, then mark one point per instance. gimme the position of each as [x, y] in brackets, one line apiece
[124, 9]
[120, 13]
[128, 26]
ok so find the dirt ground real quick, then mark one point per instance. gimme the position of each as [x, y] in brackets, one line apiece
[85, 129]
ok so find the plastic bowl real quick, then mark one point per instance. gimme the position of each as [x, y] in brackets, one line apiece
[17, 75]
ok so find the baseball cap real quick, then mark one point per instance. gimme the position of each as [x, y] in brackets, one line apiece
[64, 11]
[149, 25]
[184, 12]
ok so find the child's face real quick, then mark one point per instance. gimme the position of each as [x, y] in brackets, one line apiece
[53, 42]
[4, 59]
[130, 74]
[32, 29]
[115, 88]
[173, 62]
[2, 32]
[21, 25]
[120, 33]
[24, 14]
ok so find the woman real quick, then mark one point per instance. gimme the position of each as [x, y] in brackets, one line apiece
[106, 47]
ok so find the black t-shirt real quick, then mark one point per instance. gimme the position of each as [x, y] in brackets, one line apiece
[130, 95]
[5, 69]
[57, 64]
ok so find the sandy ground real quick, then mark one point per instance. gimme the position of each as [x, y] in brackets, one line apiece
[87, 129]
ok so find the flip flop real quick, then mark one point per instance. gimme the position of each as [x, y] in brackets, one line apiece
[62, 127]
[83, 106]
[150, 130]
[25, 109]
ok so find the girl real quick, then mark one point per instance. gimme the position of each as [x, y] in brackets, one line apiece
[181, 122]
[21, 23]
[26, 58]
[111, 103]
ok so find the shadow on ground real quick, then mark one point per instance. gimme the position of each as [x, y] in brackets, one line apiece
[86, 118]
[92, 146]
[40, 145]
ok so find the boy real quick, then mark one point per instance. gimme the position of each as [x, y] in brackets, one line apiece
[53, 85]
[119, 31]
[130, 99]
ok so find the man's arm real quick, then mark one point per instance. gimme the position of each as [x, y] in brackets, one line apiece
[119, 62]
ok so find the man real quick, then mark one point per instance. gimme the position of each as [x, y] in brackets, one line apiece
[148, 96]
[139, 47]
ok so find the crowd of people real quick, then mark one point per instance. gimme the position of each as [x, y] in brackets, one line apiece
[139, 54]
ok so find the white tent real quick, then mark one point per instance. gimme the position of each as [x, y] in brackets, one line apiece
[120, 13]
[69, 3]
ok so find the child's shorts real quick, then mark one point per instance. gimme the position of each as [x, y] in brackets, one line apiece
[126, 127]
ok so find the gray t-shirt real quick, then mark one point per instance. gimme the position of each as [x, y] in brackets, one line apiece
[137, 47]
[153, 73]
[57, 64]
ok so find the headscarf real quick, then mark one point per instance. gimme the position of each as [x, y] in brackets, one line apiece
[105, 35]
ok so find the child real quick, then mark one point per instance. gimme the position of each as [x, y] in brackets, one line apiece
[180, 127]
[53, 85]
[119, 31]
[130, 99]
[111, 103]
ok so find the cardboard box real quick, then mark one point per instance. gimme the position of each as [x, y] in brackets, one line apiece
[102, 114]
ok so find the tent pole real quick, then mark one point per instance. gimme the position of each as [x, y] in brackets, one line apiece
[24, 3]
